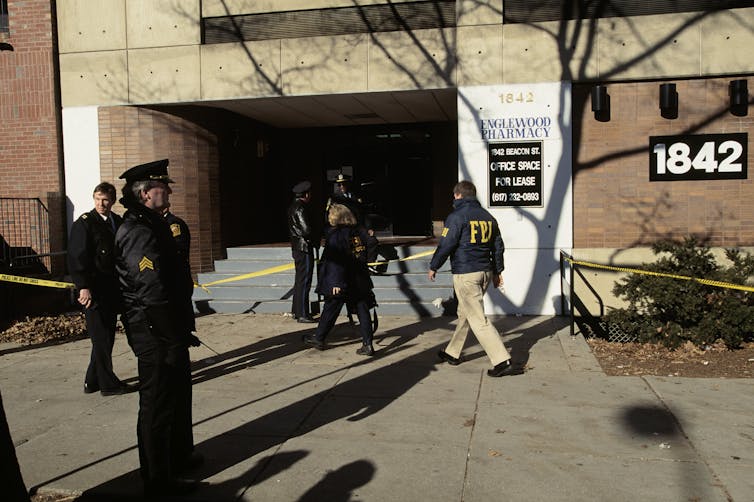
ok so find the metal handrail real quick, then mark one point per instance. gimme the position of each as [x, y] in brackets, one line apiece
[574, 268]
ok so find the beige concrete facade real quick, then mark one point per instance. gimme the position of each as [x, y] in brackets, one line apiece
[481, 50]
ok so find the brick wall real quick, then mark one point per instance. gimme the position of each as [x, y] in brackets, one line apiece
[616, 206]
[133, 135]
[29, 115]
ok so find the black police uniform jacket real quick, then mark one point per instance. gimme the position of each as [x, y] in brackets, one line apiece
[471, 238]
[344, 265]
[149, 269]
[91, 261]
[300, 226]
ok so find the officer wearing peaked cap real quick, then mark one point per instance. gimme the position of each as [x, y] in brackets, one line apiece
[304, 242]
[152, 280]
[151, 171]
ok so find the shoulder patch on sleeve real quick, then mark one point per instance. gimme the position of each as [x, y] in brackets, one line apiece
[175, 228]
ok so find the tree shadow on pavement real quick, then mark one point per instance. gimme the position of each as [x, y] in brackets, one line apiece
[355, 397]
[661, 426]
[256, 436]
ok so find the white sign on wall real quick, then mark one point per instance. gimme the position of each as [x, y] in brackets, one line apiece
[514, 143]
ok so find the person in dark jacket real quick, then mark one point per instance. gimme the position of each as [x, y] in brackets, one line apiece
[304, 242]
[344, 279]
[471, 239]
[152, 281]
[92, 268]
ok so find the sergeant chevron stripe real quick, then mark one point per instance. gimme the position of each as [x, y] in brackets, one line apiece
[145, 263]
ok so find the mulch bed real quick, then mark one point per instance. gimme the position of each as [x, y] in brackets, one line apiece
[715, 361]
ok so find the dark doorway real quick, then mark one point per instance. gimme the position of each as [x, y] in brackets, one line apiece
[392, 169]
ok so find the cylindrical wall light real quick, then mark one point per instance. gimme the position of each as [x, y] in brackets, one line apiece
[739, 97]
[668, 101]
[601, 103]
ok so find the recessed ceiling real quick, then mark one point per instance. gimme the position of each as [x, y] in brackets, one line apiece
[436, 105]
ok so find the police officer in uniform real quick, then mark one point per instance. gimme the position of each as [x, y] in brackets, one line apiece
[304, 242]
[152, 281]
[344, 196]
[92, 268]
[471, 239]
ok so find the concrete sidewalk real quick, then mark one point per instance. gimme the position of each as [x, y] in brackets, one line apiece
[278, 421]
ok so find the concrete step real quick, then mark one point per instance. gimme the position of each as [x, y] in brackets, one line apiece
[287, 278]
[403, 288]
[272, 293]
[415, 309]
[239, 266]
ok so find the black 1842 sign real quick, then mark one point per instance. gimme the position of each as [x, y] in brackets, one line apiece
[698, 157]
[515, 174]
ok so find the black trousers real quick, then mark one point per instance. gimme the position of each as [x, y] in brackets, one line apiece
[100, 324]
[331, 310]
[163, 427]
[304, 263]
[182, 435]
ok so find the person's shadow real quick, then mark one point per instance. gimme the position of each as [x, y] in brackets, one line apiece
[339, 485]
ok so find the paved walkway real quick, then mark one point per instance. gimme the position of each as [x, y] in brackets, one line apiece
[279, 422]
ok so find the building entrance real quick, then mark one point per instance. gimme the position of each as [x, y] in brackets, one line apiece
[392, 168]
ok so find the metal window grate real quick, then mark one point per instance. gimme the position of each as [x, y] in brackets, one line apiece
[328, 22]
[24, 234]
[534, 11]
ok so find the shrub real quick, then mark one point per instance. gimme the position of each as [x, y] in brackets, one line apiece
[672, 311]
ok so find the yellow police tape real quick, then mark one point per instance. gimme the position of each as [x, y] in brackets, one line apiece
[35, 282]
[289, 266]
[708, 282]
[258, 273]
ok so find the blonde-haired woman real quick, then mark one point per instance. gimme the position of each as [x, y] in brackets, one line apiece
[344, 278]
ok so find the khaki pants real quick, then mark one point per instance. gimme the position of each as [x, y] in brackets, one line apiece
[470, 289]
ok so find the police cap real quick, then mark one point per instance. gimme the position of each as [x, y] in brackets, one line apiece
[151, 171]
[302, 187]
[342, 178]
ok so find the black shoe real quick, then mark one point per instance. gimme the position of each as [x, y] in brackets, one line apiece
[502, 369]
[193, 461]
[89, 389]
[308, 320]
[173, 487]
[123, 389]
[453, 361]
[365, 350]
[312, 341]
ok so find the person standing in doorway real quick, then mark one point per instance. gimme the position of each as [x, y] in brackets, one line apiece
[304, 243]
[471, 239]
[92, 268]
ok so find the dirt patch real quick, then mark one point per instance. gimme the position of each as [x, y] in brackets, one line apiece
[45, 330]
[715, 361]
